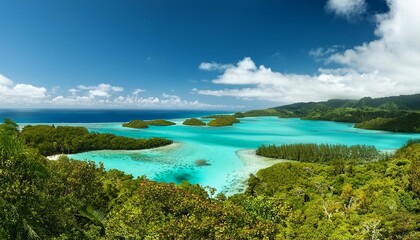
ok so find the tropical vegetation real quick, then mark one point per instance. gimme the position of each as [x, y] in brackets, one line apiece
[319, 153]
[135, 124]
[398, 113]
[145, 124]
[374, 200]
[50, 140]
[160, 122]
[68, 199]
[222, 120]
[406, 123]
[194, 122]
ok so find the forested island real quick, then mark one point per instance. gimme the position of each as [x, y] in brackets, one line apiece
[145, 124]
[193, 122]
[396, 114]
[50, 140]
[217, 121]
[135, 124]
[160, 122]
[222, 120]
[68, 199]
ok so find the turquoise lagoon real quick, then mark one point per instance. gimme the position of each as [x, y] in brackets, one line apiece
[228, 150]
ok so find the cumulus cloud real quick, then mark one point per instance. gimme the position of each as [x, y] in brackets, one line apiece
[103, 95]
[101, 90]
[319, 54]
[346, 8]
[386, 66]
[4, 81]
[268, 85]
[137, 91]
[396, 52]
[130, 101]
[11, 93]
[211, 66]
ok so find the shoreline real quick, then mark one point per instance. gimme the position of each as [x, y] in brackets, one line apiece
[55, 157]
[238, 181]
[171, 146]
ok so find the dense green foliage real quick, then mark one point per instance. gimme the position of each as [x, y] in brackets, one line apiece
[403, 102]
[264, 112]
[68, 199]
[406, 123]
[376, 200]
[194, 122]
[160, 122]
[219, 122]
[229, 118]
[222, 120]
[51, 140]
[22, 177]
[322, 153]
[135, 124]
[352, 114]
[402, 111]
[145, 124]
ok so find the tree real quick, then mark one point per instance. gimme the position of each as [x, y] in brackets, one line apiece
[22, 173]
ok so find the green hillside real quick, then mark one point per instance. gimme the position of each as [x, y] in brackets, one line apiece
[369, 112]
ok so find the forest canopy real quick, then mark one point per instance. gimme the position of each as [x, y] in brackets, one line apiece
[50, 140]
[69, 199]
[145, 124]
[194, 122]
[319, 153]
[222, 120]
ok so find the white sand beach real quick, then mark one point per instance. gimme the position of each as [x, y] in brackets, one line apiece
[237, 182]
[55, 157]
[163, 148]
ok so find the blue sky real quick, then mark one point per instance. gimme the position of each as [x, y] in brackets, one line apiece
[225, 54]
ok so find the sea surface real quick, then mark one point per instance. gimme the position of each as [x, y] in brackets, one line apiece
[93, 115]
[227, 150]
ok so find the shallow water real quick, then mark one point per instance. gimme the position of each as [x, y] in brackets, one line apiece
[219, 147]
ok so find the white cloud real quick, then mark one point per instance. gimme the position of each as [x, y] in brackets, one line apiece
[4, 81]
[55, 89]
[346, 8]
[265, 84]
[131, 101]
[320, 54]
[101, 90]
[12, 94]
[387, 66]
[102, 96]
[396, 52]
[73, 91]
[207, 66]
[137, 91]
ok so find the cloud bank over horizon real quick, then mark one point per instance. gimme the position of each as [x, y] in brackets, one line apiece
[102, 95]
[12, 93]
[386, 66]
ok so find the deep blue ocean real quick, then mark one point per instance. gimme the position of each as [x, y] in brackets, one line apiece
[94, 115]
